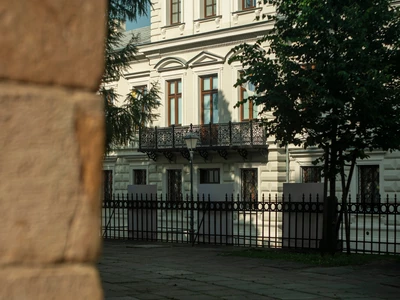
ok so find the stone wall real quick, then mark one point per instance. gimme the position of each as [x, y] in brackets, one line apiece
[51, 137]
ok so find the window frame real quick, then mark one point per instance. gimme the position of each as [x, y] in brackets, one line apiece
[210, 92]
[245, 7]
[205, 177]
[244, 185]
[177, 198]
[250, 108]
[316, 168]
[175, 96]
[361, 192]
[142, 176]
[213, 5]
[172, 12]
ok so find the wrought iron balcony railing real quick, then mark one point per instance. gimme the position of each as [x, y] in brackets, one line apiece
[250, 134]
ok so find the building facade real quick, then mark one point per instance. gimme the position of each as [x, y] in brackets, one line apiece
[186, 54]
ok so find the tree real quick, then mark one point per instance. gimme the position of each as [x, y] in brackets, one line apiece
[137, 109]
[329, 79]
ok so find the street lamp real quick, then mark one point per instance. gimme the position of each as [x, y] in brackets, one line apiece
[191, 142]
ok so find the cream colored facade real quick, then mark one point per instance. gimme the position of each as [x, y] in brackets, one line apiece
[199, 46]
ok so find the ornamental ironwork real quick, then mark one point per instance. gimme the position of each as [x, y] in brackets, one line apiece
[250, 134]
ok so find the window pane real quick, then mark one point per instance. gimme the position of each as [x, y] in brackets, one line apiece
[368, 184]
[206, 118]
[249, 182]
[209, 176]
[172, 87]
[249, 3]
[311, 174]
[206, 84]
[206, 102]
[215, 82]
[209, 11]
[245, 110]
[172, 110]
[255, 111]
[179, 87]
[215, 108]
[139, 176]
[174, 185]
[180, 110]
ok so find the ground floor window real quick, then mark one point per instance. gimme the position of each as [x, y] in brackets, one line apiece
[368, 184]
[139, 177]
[311, 174]
[174, 185]
[249, 184]
[107, 185]
[209, 176]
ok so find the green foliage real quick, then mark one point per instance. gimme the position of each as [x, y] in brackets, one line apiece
[124, 118]
[330, 75]
[123, 121]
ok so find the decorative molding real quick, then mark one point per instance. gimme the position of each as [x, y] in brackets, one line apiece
[205, 58]
[170, 63]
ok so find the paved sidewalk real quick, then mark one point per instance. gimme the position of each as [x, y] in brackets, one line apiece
[132, 270]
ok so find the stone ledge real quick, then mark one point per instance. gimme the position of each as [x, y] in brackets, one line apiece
[56, 282]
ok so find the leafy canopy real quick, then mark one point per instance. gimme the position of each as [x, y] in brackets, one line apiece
[328, 73]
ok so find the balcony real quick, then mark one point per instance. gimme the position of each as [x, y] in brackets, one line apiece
[241, 136]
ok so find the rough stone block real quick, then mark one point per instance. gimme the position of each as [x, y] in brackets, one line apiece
[59, 282]
[52, 148]
[53, 42]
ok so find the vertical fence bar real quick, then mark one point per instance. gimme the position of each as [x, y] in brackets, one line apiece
[395, 224]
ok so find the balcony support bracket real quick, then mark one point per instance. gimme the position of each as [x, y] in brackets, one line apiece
[170, 156]
[185, 154]
[152, 155]
[223, 153]
[243, 153]
[203, 154]
[264, 152]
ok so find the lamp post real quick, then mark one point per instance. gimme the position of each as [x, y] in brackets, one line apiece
[191, 142]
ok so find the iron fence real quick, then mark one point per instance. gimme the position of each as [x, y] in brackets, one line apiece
[273, 222]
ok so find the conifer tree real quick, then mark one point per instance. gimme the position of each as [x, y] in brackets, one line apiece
[137, 108]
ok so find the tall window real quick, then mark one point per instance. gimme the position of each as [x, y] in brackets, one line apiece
[249, 180]
[368, 184]
[174, 185]
[248, 110]
[107, 185]
[175, 9]
[248, 4]
[209, 176]
[209, 99]
[139, 177]
[174, 102]
[311, 174]
[210, 8]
